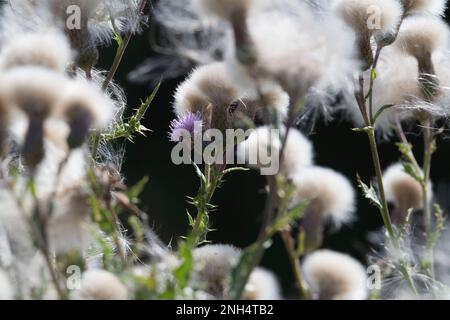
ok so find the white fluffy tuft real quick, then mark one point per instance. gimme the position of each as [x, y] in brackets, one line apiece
[335, 276]
[206, 84]
[402, 189]
[434, 7]
[329, 192]
[213, 264]
[369, 16]
[420, 35]
[262, 285]
[50, 50]
[99, 284]
[262, 149]
[82, 94]
[300, 48]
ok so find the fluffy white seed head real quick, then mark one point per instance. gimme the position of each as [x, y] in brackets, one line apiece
[329, 193]
[402, 189]
[335, 276]
[80, 94]
[99, 284]
[262, 285]
[422, 35]
[369, 16]
[398, 84]
[434, 7]
[223, 9]
[34, 90]
[206, 84]
[265, 92]
[51, 50]
[213, 264]
[300, 48]
[6, 289]
[263, 146]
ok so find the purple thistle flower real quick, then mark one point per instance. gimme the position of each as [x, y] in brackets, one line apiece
[188, 123]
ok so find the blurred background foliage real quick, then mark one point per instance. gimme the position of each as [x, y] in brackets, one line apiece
[241, 199]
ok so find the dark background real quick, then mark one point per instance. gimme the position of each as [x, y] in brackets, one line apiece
[241, 199]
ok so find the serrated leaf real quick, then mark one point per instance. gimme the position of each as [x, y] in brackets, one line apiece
[369, 193]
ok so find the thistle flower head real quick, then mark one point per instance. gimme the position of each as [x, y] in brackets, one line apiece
[99, 284]
[335, 276]
[98, 16]
[402, 189]
[421, 36]
[434, 7]
[215, 84]
[34, 91]
[186, 124]
[51, 50]
[379, 18]
[300, 48]
[263, 147]
[262, 285]
[84, 107]
[213, 265]
[329, 192]
[211, 91]
[370, 16]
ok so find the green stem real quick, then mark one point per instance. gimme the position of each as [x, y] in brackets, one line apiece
[379, 174]
[408, 278]
[384, 210]
[123, 45]
[294, 260]
[428, 153]
[213, 179]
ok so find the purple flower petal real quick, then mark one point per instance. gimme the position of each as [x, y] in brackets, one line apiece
[186, 123]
